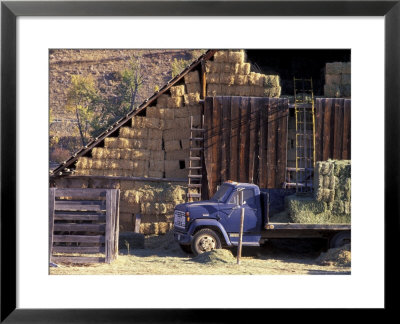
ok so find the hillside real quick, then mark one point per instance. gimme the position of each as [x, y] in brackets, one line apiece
[102, 64]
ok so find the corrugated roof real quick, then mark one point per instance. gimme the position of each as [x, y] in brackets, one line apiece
[113, 128]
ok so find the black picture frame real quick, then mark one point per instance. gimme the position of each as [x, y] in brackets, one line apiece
[10, 10]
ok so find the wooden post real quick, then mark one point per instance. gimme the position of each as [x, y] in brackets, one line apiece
[108, 245]
[239, 252]
[138, 218]
[116, 242]
[51, 220]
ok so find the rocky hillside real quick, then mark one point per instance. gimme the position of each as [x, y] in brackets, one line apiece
[102, 64]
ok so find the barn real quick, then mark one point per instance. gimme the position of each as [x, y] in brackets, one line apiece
[220, 119]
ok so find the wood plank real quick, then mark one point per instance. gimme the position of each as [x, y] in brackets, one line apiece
[319, 117]
[234, 140]
[338, 129]
[85, 194]
[346, 145]
[215, 146]
[226, 133]
[253, 136]
[203, 80]
[138, 218]
[108, 242]
[78, 205]
[281, 156]
[78, 249]
[271, 142]
[222, 143]
[51, 220]
[243, 171]
[326, 130]
[77, 216]
[82, 260]
[208, 107]
[263, 176]
[79, 238]
[80, 227]
[116, 240]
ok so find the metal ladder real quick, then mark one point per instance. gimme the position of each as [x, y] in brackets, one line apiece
[196, 156]
[305, 134]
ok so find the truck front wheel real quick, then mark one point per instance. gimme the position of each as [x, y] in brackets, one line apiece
[340, 239]
[205, 240]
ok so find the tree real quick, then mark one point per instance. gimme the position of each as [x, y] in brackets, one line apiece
[82, 96]
[178, 65]
[123, 99]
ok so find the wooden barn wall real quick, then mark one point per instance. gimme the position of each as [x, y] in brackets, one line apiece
[245, 140]
[332, 129]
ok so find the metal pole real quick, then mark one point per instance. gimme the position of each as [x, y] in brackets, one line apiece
[239, 252]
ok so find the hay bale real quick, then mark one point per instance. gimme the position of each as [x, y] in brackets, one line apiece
[334, 68]
[242, 68]
[137, 121]
[177, 91]
[241, 79]
[173, 134]
[178, 173]
[221, 56]
[217, 256]
[156, 174]
[346, 67]
[128, 132]
[156, 208]
[156, 165]
[346, 90]
[155, 134]
[333, 79]
[227, 78]
[170, 124]
[195, 110]
[185, 144]
[182, 122]
[192, 98]
[213, 78]
[154, 144]
[153, 112]
[84, 163]
[152, 122]
[193, 87]
[139, 154]
[236, 57]
[214, 90]
[174, 102]
[338, 257]
[172, 145]
[228, 68]
[270, 81]
[177, 155]
[192, 77]
[212, 67]
[181, 112]
[171, 165]
[162, 100]
[167, 113]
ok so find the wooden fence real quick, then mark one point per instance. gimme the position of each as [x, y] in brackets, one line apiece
[83, 221]
[332, 129]
[245, 140]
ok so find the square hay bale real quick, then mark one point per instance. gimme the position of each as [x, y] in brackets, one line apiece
[270, 81]
[175, 102]
[333, 79]
[181, 112]
[226, 90]
[332, 91]
[212, 78]
[192, 98]
[170, 124]
[241, 79]
[192, 77]
[227, 78]
[185, 144]
[156, 165]
[228, 68]
[111, 142]
[137, 121]
[214, 90]
[140, 168]
[112, 153]
[212, 67]
[127, 185]
[178, 173]
[177, 155]
[98, 164]
[221, 56]
[172, 145]
[154, 144]
[156, 174]
[346, 79]
[171, 165]
[128, 132]
[177, 91]
[346, 67]
[167, 113]
[195, 110]
[157, 155]
[346, 90]
[151, 208]
[333, 68]
[153, 112]
[140, 154]
[236, 57]
[182, 122]
[84, 163]
[242, 68]
[193, 87]
[81, 172]
[151, 122]
[174, 134]
[162, 100]
[155, 134]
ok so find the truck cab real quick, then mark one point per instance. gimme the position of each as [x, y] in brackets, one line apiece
[215, 223]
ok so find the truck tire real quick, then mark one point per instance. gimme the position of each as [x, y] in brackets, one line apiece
[186, 248]
[205, 240]
[340, 239]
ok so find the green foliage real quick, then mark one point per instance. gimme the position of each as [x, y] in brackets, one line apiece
[82, 97]
[178, 65]
[122, 100]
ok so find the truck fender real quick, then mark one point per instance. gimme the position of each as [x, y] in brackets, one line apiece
[209, 222]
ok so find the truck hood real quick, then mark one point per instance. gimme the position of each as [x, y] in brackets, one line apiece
[206, 208]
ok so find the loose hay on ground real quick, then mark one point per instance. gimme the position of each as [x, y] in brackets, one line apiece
[340, 257]
[215, 257]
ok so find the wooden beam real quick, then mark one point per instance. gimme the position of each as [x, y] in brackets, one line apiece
[51, 221]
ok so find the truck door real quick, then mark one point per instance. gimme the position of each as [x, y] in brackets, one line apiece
[230, 215]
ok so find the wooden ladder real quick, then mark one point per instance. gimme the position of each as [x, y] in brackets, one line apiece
[196, 156]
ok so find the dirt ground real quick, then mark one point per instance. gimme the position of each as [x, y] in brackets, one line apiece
[166, 258]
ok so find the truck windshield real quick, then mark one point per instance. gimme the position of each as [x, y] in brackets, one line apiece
[223, 193]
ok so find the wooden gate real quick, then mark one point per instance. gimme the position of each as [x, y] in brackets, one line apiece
[245, 140]
[83, 221]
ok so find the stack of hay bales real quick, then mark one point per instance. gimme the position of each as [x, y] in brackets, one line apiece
[337, 80]
[332, 196]
[229, 75]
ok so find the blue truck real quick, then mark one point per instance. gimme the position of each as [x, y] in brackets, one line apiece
[212, 224]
